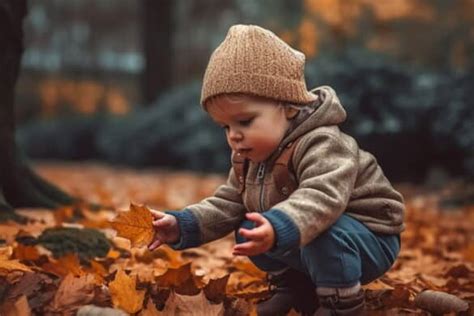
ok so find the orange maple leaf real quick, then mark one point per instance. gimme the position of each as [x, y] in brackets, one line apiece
[124, 293]
[135, 225]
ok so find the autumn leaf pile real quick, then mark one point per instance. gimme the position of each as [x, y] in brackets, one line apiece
[72, 261]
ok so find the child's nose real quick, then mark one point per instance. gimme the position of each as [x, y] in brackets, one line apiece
[235, 135]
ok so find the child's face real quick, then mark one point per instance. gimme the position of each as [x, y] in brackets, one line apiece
[254, 127]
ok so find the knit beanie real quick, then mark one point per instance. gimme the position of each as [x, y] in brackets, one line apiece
[254, 61]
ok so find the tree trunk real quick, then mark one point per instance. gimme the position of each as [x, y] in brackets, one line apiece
[19, 185]
[157, 47]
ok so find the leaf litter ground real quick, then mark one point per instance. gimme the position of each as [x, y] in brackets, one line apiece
[41, 273]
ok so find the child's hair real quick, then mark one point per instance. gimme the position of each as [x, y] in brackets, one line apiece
[254, 61]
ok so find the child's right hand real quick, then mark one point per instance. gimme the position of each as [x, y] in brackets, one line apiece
[166, 229]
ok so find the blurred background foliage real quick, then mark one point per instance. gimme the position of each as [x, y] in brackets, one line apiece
[119, 80]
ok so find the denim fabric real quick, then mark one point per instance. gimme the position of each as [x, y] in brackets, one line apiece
[345, 254]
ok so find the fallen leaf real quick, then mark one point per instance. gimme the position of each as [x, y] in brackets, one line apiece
[91, 310]
[124, 293]
[215, 290]
[68, 264]
[135, 225]
[6, 266]
[175, 277]
[73, 292]
[6, 252]
[440, 302]
[19, 308]
[150, 310]
[196, 305]
[22, 252]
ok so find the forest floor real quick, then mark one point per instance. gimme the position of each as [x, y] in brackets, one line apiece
[437, 252]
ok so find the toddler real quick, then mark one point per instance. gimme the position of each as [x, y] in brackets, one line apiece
[307, 205]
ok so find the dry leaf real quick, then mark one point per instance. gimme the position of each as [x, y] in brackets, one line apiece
[196, 305]
[135, 225]
[22, 252]
[440, 302]
[19, 308]
[68, 264]
[215, 290]
[175, 277]
[150, 310]
[73, 292]
[91, 310]
[7, 266]
[124, 293]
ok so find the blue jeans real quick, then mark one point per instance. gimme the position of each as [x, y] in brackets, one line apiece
[345, 254]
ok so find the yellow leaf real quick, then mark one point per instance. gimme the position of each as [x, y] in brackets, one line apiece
[7, 266]
[135, 225]
[124, 294]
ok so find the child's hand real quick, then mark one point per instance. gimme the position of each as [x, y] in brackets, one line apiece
[166, 229]
[260, 238]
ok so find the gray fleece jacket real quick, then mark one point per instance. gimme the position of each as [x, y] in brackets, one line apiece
[334, 176]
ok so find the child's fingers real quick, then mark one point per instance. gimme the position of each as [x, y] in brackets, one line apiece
[256, 217]
[155, 244]
[245, 247]
[162, 222]
[253, 234]
[157, 214]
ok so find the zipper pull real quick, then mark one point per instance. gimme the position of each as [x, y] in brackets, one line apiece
[261, 171]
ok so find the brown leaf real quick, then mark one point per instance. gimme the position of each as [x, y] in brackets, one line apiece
[22, 252]
[215, 290]
[68, 264]
[7, 266]
[19, 308]
[196, 305]
[39, 288]
[91, 310]
[150, 310]
[175, 277]
[135, 225]
[124, 293]
[73, 292]
[440, 302]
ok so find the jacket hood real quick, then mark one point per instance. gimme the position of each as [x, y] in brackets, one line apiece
[327, 110]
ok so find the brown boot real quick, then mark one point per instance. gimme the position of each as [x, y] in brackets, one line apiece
[335, 305]
[290, 289]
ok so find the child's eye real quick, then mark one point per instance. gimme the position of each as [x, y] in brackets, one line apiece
[225, 127]
[245, 122]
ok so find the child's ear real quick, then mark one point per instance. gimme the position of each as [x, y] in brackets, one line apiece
[291, 112]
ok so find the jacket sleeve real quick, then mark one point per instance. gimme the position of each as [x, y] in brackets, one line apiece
[212, 218]
[326, 169]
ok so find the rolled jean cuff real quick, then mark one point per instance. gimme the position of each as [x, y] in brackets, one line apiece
[190, 234]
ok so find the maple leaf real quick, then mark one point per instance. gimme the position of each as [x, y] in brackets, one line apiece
[73, 292]
[124, 294]
[64, 266]
[191, 305]
[135, 225]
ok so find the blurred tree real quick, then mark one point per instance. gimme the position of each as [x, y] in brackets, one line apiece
[157, 47]
[19, 185]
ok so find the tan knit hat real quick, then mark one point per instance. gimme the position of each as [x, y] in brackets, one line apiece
[255, 61]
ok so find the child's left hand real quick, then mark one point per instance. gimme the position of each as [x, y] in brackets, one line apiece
[260, 238]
